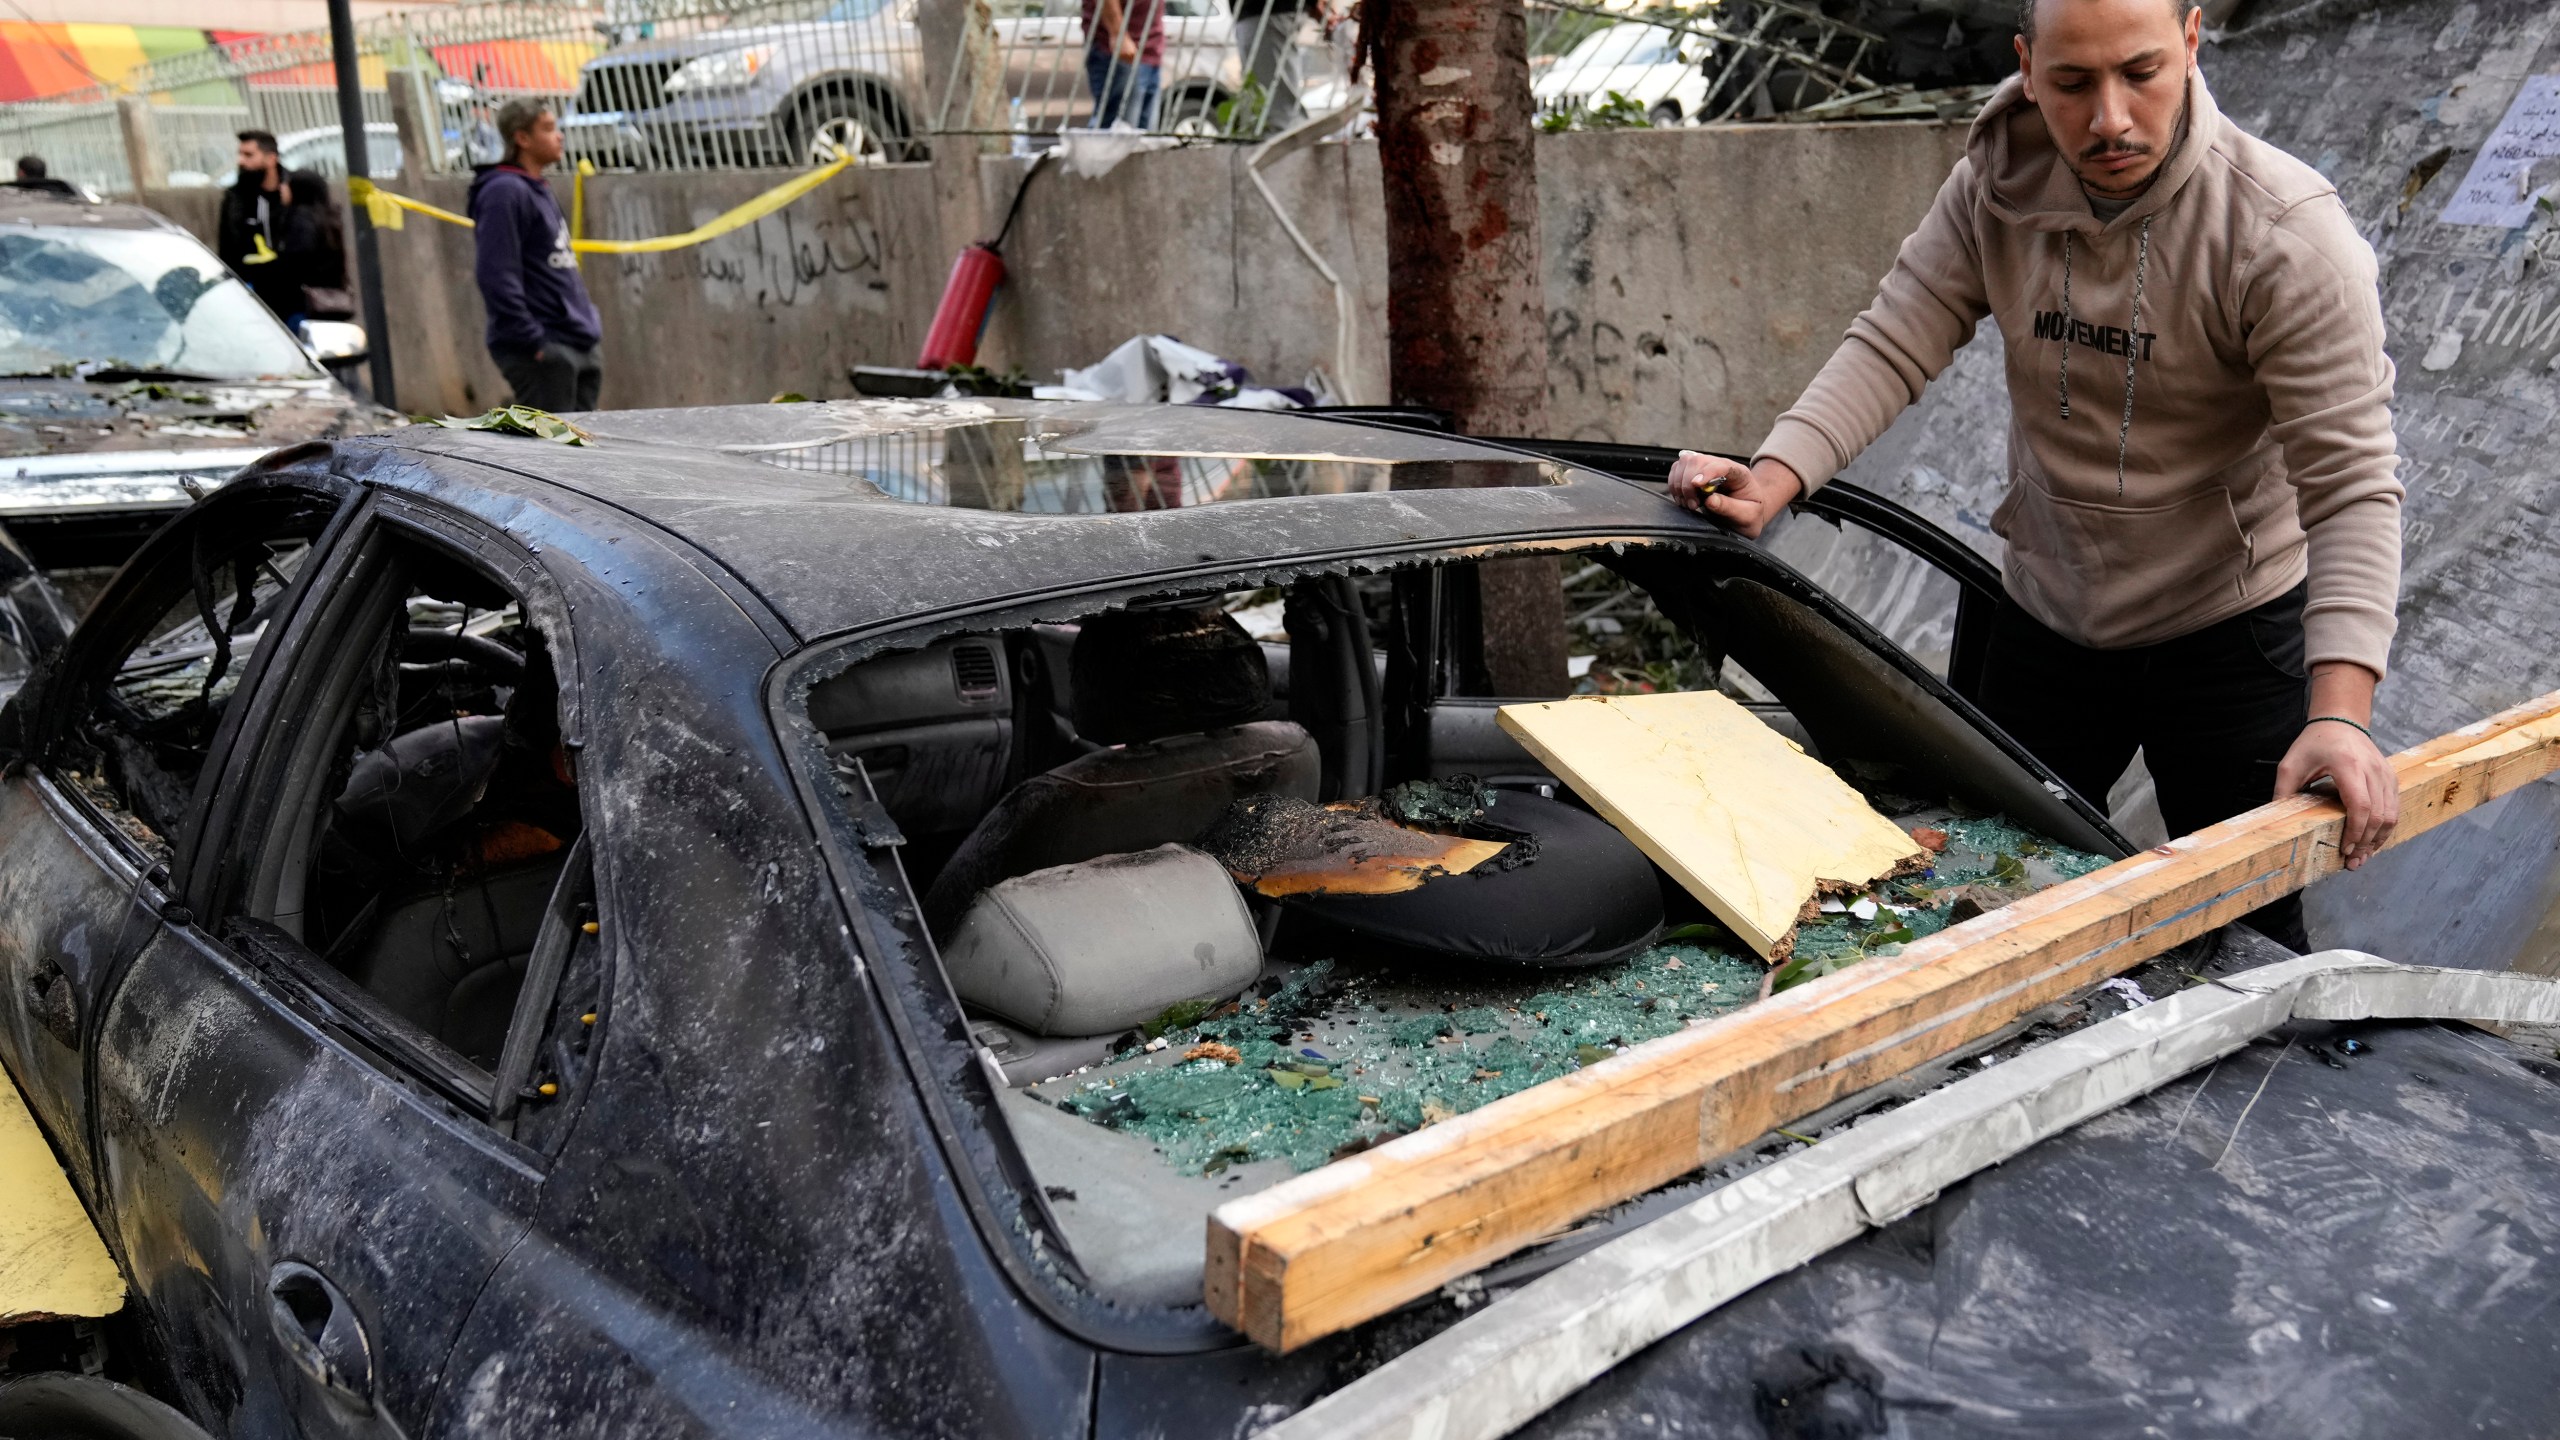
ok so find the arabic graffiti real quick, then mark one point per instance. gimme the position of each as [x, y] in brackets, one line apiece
[835, 255]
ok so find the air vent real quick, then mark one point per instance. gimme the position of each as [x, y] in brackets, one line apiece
[974, 671]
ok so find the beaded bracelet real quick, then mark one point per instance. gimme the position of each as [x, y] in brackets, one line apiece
[2343, 720]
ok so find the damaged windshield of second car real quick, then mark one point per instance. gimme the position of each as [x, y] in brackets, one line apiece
[74, 301]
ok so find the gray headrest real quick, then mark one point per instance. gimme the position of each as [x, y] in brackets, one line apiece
[1098, 946]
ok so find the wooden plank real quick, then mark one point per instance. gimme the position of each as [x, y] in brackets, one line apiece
[1358, 1237]
[1733, 810]
[52, 1263]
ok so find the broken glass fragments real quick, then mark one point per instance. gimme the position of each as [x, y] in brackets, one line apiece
[1341, 1056]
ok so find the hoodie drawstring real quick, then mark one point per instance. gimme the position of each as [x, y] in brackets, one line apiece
[2066, 324]
[2133, 341]
[2132, 347]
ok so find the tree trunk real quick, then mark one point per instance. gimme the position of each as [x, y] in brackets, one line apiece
[1466, 313]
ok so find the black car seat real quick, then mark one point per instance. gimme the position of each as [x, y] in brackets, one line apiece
[1176, 689]
[462, 826]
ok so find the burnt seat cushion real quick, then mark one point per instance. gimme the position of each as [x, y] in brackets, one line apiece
[1589, 897]
[1098, 946]
[1117, 801]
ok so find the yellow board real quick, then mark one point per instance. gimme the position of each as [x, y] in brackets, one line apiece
[52, 1263]
[1735, 811]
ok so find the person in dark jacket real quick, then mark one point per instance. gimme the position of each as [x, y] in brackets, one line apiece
[314, 249]
[33, 175]
[250, 236]
[543, 329]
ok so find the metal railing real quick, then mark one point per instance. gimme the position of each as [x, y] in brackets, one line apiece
[722, 84]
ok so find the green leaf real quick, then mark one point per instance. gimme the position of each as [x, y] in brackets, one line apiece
[520, 420]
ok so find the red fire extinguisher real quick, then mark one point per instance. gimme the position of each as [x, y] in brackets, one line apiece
[962, 316]
[970, 293]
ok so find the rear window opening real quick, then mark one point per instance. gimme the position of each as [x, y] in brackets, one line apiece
[1229, 886]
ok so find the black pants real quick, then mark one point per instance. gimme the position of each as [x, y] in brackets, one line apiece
[558, 378]
[2213, 714]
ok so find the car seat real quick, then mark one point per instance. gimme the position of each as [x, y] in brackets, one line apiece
[1176, 690]
[459, 828]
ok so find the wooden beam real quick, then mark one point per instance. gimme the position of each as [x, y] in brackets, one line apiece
[1358, 1237]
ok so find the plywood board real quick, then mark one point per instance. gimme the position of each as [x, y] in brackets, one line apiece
[52, 1263]
[1356, 1238]
[1735, 811]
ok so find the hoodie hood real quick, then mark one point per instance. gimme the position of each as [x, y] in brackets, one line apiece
[2027, 183]
[483, 176]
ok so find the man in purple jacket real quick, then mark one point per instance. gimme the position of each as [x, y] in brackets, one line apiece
[542, 327]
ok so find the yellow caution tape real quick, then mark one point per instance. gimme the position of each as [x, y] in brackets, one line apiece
[385, 210]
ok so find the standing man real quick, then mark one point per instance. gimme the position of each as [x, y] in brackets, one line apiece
[542, 327]
[2203, 520]
[1274, 73]
[1124, 60]
[250, 236]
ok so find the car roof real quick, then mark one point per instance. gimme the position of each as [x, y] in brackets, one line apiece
[39, 207]
[832, 553]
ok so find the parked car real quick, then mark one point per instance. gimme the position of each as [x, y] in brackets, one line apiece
[849, 76]
[1661, 71]
[134, 368]
[489, 922]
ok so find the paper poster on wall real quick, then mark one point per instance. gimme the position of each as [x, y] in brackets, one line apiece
[2520, 161]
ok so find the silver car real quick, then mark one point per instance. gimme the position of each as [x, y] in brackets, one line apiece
[847, 77]
[852, 77]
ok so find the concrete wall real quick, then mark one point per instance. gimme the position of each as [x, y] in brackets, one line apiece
[1695, 278]
[847, 276]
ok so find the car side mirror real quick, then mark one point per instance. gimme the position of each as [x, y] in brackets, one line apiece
[334, 342]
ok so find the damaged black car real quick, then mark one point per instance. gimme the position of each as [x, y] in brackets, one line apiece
[787, 919]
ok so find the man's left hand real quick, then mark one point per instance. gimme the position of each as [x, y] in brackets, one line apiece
[2347, 757]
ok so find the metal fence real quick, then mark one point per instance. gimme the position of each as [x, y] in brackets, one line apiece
[720, 84]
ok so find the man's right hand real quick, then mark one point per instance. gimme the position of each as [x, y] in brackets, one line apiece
[1747, 497]
[1128, 50]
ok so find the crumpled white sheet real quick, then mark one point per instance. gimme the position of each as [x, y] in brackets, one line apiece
[1150, 369]
[1095, 153]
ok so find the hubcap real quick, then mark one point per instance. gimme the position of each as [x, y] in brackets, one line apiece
[846, 135]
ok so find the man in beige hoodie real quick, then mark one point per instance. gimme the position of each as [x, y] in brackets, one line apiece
[2203, 519]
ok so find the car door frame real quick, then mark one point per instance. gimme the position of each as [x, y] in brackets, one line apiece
[342, 1026]
[1978, 592]
[154, 891]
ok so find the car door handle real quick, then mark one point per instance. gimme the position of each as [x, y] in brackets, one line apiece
[319, 1329]
[55, 1001]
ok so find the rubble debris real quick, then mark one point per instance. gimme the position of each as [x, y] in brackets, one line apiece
[1987, 863]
